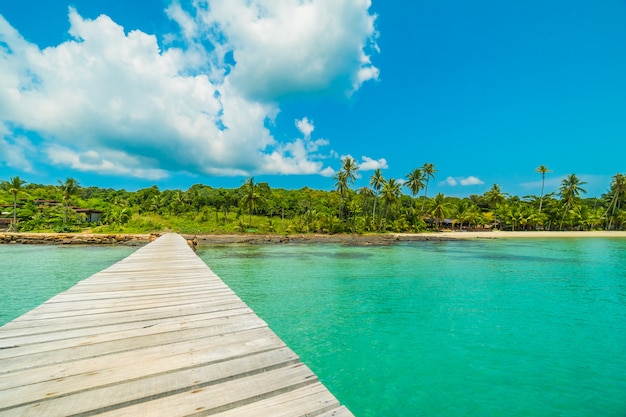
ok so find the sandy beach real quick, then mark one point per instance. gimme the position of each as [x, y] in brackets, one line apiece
[517, 235]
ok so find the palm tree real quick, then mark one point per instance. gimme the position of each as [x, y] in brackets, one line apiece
[68, 188]
[14, 186]
[464, 211]
[617, 195]
[391, 192]
[542, 169]
[495, 196]
[376, 182]
[345, 178]
[415, 182]
[439, 208]
[251, 195]
[429, 172]
[570, 191]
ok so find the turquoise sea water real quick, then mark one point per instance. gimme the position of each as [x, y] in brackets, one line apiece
[31, 274]
[468, 328]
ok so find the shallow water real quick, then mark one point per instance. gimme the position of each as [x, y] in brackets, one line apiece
[470, 328]
[32, 274]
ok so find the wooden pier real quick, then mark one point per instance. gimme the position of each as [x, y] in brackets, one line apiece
[157, 334]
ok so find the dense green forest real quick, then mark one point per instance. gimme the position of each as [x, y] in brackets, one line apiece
[386, 205]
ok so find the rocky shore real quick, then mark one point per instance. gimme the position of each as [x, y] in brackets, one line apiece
[195, 240]
[77, 238]
[345, 239]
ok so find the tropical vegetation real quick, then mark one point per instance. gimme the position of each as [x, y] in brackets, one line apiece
[384, 205]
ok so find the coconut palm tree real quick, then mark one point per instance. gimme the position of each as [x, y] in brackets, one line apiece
[571, 189]
[439, 208]
[251, 195]
[570, 192]
[391, 192]
[495, 196]
[429, 172]
[415, 182]
[68, 188]
[14, 186]
[345, 178]
[542, 169]
[617, 196]
[376, 182]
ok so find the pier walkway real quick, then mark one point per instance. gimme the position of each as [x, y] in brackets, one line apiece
[156, 334]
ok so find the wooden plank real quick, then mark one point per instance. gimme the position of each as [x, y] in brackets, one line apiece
[157, 334]
[229, 394]
[156, 386]
[43, 344]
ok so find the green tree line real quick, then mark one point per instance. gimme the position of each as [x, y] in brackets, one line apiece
[384, 205]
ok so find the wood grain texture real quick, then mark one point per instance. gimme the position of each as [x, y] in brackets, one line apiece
[157, 334]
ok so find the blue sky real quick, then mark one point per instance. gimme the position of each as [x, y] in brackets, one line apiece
[131, 93]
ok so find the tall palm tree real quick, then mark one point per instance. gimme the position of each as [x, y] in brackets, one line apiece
[542, 169]
[14, 186]
[68, 188]
[415, 182]
[429, 172]
[571, 189]
[570, 192]
[376, 182]
[617, 196]
[439, 208]
[251, 195]
[345, 178]
[494, 197]
[391, 192]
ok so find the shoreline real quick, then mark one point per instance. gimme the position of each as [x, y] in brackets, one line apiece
[346, 239]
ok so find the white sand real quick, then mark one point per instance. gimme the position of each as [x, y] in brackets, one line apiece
[516, 235]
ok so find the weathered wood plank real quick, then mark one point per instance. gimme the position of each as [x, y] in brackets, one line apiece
[157, 334]
[156, 386]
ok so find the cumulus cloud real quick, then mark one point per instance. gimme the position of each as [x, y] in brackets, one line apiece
[471, 180]
[464, 181]
[284, 47]
[116, 102]
[305, 127]
[369, 164]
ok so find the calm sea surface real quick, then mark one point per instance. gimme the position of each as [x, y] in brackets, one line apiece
[476, 328]
[32, 274]
[469, 328]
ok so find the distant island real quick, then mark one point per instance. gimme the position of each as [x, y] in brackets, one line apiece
[386, 206]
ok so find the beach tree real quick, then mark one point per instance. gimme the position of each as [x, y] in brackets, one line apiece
[616, 198]
[464, 211]
[14, 186]
[391, 193]
[251, 195]
[376, 182]
[415, 182]
[345, 179]
[439, 208]
[68, 188]
[429, 171]
[543, 170]
[495, 196]
[570, 192]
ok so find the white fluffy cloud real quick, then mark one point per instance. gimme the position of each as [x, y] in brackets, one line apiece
[115, 102]
[283, 47]
[464, 181]
[369, 164]
[471, 180]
